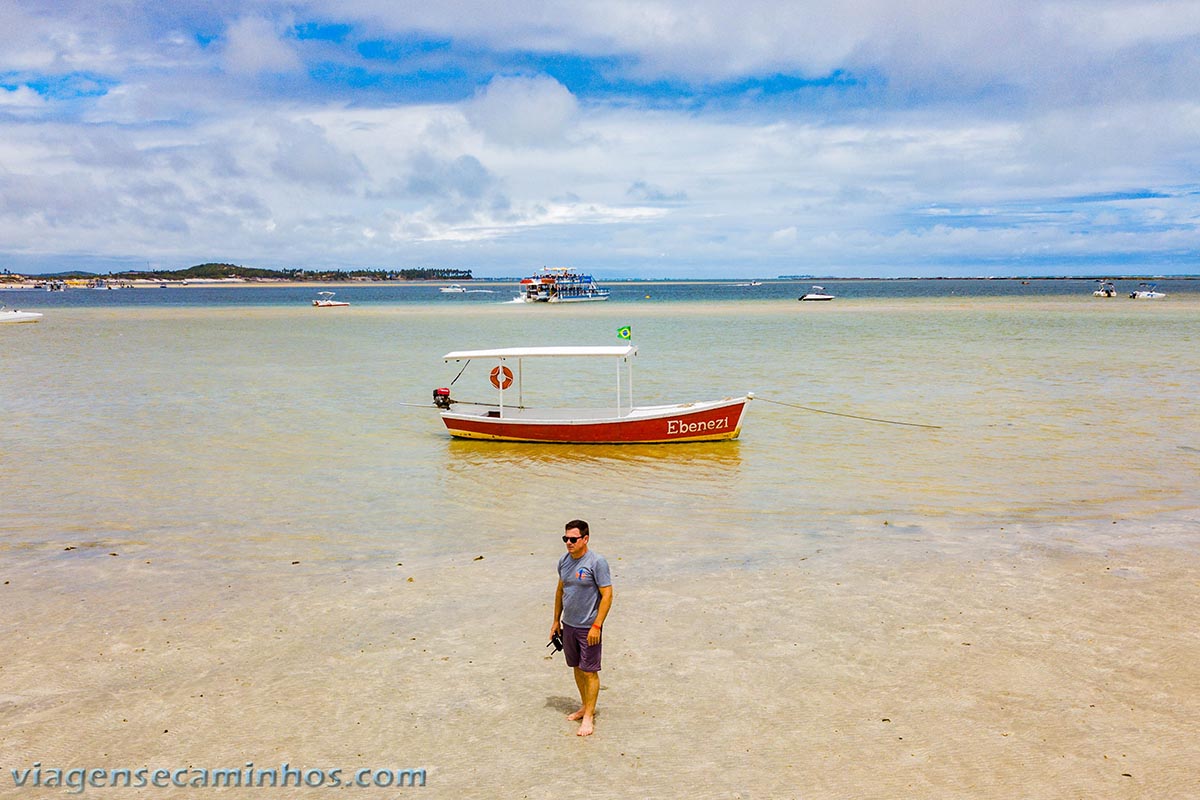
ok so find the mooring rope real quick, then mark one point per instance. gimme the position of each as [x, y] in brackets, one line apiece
[848, 416]
[462, 402]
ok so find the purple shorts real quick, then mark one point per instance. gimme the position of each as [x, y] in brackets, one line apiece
[578, 652]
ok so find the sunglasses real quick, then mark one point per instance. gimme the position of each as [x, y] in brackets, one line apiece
[572, 539]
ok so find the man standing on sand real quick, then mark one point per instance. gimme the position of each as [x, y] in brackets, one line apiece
[581, 603]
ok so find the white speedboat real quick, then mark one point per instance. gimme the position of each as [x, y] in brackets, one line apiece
[14, 315]
[325, 300]
[818, 293]
[454, 289]
[1105, 289]
[1146, 291]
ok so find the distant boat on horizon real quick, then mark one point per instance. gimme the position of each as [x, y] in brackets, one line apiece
[16, 315]
[1147, 291]
[326, 301]
[818, 293]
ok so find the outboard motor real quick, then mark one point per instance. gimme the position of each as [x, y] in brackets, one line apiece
[441, 398]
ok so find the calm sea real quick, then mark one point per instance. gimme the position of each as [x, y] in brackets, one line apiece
[192, 417]
[484, 292]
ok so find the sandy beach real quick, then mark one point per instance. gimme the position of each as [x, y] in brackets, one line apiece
[1038, 671]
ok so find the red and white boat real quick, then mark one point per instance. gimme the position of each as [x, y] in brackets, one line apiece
[621, 423]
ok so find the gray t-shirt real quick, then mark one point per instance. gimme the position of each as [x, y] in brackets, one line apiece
[582, 579]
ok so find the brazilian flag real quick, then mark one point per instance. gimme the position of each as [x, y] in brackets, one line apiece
[625, 332]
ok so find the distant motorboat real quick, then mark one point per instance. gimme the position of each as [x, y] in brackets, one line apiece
[14, 315]
[1146, 291]
[326, 301]
[818, 293]
[1105, 289]
[454, 289]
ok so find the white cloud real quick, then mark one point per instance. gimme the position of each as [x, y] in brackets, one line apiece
[21, 100]
[784, 236]
[254, 45]
[516, 111]
[423, 226]
[304, 154]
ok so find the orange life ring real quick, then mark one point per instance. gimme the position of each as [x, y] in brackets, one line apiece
[502, 377]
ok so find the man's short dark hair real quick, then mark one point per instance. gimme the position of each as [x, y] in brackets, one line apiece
[578, 525]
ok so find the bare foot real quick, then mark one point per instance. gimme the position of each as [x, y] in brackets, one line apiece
[576, 715]
[585, 727]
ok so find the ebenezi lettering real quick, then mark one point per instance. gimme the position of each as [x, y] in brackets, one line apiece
[675, 426]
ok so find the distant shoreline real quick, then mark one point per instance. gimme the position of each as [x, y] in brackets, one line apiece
[39, 283]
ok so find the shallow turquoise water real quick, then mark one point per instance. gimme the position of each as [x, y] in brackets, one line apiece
[209, 430]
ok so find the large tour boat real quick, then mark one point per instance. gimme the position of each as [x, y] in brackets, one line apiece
[560, 285]
[510, 420]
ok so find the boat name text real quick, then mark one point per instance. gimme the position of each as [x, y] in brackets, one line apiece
[675, 426]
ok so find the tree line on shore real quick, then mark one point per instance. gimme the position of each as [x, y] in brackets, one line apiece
[226, 271]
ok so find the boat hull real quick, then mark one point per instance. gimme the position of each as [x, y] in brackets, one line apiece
[688, 422]
[19, 316]
[583, 299]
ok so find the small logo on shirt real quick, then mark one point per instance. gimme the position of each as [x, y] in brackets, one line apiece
[582, 574]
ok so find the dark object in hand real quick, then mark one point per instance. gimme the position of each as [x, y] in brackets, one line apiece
[555, 640]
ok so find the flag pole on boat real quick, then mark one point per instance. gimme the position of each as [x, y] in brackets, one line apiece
[625, 333]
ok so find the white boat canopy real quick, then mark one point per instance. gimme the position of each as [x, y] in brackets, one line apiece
[615, 351]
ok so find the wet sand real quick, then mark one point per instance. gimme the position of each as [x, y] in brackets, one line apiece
[1033, 670]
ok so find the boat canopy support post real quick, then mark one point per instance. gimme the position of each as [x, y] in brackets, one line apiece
[618, 387]
[629, 363]
[500, 387]
[629, 381]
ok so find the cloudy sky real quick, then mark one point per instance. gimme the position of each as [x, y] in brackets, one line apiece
[656, 138]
